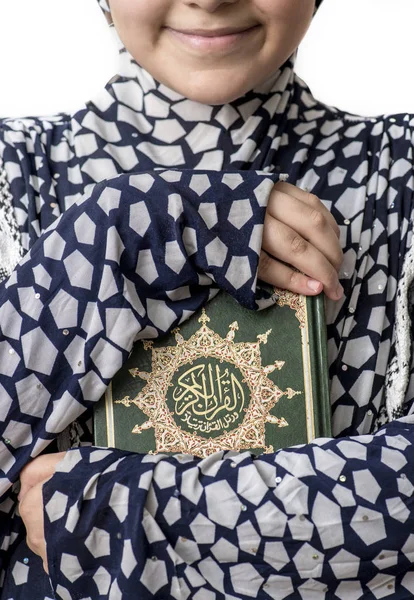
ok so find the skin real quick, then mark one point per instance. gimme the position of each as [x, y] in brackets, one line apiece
[32, 479]
[211, 78]
[300, 248]
[300, 232]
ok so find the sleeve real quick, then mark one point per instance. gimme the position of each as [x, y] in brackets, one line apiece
[131, 261]
[329, 519]
[41, 172]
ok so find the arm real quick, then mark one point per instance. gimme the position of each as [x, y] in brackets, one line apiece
[130, 261]
[334, 511]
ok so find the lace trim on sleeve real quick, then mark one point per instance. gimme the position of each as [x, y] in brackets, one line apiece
[11, 250]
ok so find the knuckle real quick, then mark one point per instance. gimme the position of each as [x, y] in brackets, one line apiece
[283, 185]
[26, 470]
[313, 199]
[318, 219]
[31, 468]
[298, 245]
[294, 278]
[27, 478]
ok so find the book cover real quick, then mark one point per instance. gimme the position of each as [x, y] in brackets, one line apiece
[227, 379]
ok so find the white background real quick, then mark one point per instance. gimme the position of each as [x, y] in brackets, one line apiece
[56, 54]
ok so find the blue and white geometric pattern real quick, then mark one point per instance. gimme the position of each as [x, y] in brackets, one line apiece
[130, 214]
[327, 520]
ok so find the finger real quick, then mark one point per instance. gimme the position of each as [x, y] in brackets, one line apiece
[310, 199]
[284, 277]
[310, 223]
[314, 201]
[288, 246]
[31, 512]
[38, 470]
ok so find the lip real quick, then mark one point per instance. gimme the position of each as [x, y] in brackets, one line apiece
[213, 39]
[214, 32]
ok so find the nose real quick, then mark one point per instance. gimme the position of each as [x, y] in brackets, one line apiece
[208, 5]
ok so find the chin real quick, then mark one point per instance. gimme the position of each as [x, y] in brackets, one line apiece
[212, 90]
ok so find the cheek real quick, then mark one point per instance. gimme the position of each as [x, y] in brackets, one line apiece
[286, 21]
[285, 9]
[139, 19]
[292, 15]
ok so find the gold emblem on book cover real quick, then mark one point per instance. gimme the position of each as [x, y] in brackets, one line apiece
[208, 393]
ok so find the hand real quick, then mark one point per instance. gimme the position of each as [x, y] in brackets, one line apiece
[301, 232]
[32, 478]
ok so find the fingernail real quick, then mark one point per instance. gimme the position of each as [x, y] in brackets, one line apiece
[314, 285]
[339, 291]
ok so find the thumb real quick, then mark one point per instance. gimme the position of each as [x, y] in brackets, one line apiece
[37, 471]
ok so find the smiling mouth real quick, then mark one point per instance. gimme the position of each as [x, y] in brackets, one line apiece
[211, 33]
[211, 40]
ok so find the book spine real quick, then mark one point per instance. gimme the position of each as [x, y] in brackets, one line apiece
[318, 348]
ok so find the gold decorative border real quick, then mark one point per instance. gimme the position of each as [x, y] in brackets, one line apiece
[300, 306]
[295, 302]
[282, 298]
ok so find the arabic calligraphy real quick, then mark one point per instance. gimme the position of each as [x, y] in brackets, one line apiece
[208, 397]
[209, 393]
[207, 427]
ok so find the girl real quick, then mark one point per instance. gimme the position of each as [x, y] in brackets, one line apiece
[152, 178]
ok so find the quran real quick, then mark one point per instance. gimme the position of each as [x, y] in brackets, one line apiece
[227, 379]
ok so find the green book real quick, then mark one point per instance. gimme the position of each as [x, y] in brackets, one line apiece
[227, 379]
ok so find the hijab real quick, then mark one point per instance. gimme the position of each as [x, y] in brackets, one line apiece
[361, 167]
[264, 129]
[220, 133]
[135, 123]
